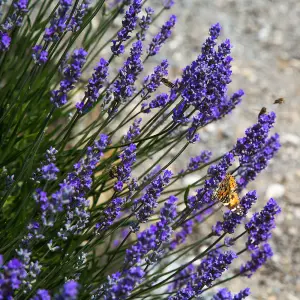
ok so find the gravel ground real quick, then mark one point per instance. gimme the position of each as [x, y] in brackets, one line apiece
[266, 38]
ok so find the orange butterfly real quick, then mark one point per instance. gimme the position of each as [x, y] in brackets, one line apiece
[227, 195]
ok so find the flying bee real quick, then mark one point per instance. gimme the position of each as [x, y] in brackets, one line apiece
[279, 101]
[167, 83]
[262, 111]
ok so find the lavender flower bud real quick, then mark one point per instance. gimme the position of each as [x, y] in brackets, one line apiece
[71, 73]
[144, 23]
[39, 56]
[58, 22]
[5, 40]
[129, 23]
[162, 36]
[258, 258]
[78, 16]
[153, 81]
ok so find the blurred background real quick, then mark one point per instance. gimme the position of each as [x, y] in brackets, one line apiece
[265, 36]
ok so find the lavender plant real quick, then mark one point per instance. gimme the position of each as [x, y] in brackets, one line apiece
[91, 204]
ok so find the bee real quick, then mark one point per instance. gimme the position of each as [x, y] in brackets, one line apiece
[167, 83]
[227, 195]
[113, 171]
[279, 101]
[262, 111]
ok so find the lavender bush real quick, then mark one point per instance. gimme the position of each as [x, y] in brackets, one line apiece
[96, 211]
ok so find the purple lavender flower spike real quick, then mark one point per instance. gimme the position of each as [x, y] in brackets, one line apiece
[182, 278]
[258, 258]
[250, 166]
[78, 16]
[128, 157]
[144, 23]
[152, 238]
[197, 161]
[260, 225]
[71, 74]
[110, 214]
[96, 83]
[204, 85]
[231, 219]
[58, 22]
[69, 291]
[5, 40]
[153, 81]
[180, 237]
[12, 276]
[225, 294]
[16, 18]
[123, 87]
[48, 169]
[133, 132]
[41, 295]
[242, 294]
[168, 3]
[121, 288]
[255, 138]
[162, 36]
[222, 294]
[143, 207]
[39, 56]
[209, 270]
[216, 174]
[129, 23]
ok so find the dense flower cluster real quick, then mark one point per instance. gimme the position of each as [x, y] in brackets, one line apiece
[71, 74]
[110, 213]
[48, 170]
[205, 84]
[129, 23]
[16, 17]
[133, 132]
